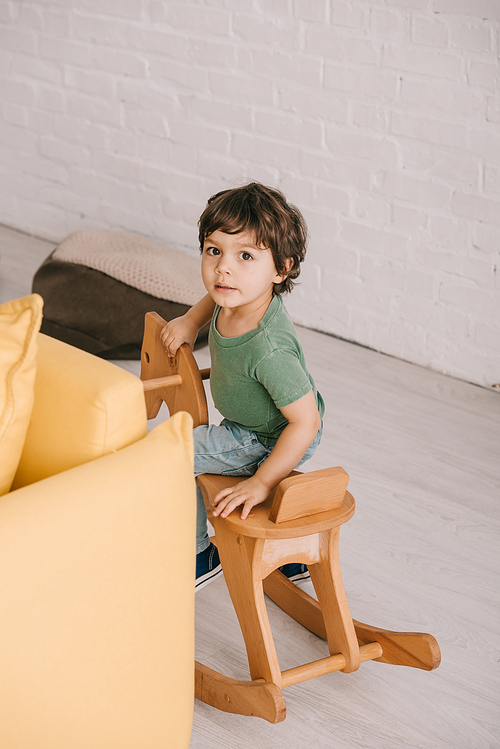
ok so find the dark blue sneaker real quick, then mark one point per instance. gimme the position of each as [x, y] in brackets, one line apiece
[208, 566]
[295, 572]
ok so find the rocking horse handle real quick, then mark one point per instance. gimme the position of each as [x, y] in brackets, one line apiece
[175, 380]
[303, 494]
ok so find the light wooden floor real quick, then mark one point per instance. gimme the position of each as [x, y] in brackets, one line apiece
[421, 553]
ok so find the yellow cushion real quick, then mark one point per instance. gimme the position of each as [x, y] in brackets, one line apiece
[20, 322]
[85, 407]
[97, 569]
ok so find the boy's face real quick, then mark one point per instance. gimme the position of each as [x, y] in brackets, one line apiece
[236, 272]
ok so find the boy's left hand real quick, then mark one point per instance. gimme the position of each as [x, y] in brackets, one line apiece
[248, 493]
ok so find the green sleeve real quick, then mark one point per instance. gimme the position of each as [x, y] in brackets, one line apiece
[284, 378]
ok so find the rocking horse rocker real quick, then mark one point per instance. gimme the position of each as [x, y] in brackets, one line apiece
[299, 522]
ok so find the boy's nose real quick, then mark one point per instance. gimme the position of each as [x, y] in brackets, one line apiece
[223, 266]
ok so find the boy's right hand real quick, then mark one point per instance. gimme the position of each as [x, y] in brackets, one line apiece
[176, 332]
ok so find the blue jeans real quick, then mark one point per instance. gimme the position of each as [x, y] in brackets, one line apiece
[228, 450]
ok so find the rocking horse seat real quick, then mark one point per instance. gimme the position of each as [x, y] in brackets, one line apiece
[259, 524]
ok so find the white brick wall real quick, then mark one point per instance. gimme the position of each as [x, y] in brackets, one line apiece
[378, 118]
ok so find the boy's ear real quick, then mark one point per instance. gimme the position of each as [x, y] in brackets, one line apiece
[288, 268]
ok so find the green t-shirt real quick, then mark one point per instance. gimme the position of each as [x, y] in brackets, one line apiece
[256, 374]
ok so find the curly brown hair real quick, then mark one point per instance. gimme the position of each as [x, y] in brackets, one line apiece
[264, 211]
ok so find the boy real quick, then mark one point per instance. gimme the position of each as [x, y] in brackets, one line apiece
[252, 243]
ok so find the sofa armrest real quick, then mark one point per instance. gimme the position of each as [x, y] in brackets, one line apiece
[84, 408]
[97, 571]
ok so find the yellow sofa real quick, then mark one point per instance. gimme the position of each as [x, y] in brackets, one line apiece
[97, 540]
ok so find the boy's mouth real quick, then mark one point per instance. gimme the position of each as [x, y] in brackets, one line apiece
[224, 287]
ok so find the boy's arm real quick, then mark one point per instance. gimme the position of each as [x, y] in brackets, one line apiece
[185, 329]
[303, 424]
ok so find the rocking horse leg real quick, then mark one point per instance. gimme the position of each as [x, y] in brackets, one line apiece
[241, 557]
[414, 649]
[327, 581]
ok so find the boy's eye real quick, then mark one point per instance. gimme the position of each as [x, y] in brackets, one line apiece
[246, 256]
[212, 251]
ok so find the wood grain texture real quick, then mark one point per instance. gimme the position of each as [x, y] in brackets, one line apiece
[420, 554]
[257, 699]
[411, 649]
[370, 651]
[308, 493]
[262, 527]
[175, 380]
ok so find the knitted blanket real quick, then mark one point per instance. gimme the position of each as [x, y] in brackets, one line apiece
[151, 267]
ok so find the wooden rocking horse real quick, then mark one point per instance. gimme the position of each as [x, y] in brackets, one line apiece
[299, 522]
